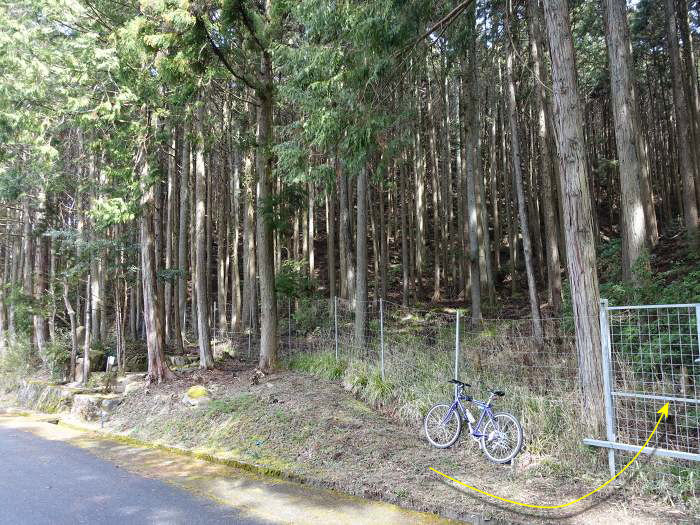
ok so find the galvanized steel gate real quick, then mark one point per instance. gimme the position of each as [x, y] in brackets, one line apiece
[651, 356]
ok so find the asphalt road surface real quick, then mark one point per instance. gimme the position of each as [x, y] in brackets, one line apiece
[50, 482]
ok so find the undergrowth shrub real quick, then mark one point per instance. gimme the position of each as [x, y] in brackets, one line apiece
[57, 358]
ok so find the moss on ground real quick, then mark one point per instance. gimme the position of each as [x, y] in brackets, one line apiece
[197, 392]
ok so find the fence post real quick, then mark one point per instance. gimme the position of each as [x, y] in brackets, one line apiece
[607, 381]
[457, 347]
[335, 315]
[381, 332]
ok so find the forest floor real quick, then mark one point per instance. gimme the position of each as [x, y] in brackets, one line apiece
[312, 430]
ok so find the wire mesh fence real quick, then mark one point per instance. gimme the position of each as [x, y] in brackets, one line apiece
[654, 358]
[402, 357]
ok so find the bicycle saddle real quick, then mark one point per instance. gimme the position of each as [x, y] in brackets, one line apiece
[499, 393]
[458, 382]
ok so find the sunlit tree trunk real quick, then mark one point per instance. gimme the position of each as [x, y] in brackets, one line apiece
[580, 242]
[205, 356]
[623, 101]
[549, 196]
[472, 137]
[687, 170]
[236, 300]
[265, 250]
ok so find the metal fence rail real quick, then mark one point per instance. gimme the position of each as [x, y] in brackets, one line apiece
[651, 355]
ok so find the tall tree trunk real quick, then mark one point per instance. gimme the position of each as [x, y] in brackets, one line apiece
[170, 202]
[27, 250]
[73, 330]
[435, 179]
[580, 242]
[88, 315]
[405, 263]
[236, 301]
[249, 307]
[420, 194]
[549, 197]
[691, 85]
[182, 262]
[520, 193]
[265, 253]
[472, 137]
[624, 106]
[687, 170]
[206, 359]
[222, 252]
[311, 230]
[41, 286]
[361, 244]
[192, 239]
[330, 239]
[157, 367]
[345, 235]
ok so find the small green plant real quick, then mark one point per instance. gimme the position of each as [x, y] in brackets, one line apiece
[229, 405]
[322, 365]
[57, 357]
[19, 358]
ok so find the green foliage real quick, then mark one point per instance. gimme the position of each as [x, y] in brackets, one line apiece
[19, 358]
[293, 279]
[308, 315]
[323, 365]
[678, 284]
[230, 405]
[24, 308]
[57, 358]
[110, 211]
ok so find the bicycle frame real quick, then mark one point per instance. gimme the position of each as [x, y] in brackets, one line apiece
[462, 412]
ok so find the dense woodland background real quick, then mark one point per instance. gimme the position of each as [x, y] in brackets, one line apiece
[168, 167]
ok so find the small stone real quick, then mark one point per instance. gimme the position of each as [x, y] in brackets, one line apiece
[196, 401]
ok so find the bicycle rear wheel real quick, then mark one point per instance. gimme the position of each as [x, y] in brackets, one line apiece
[503, 437]
[441, 426]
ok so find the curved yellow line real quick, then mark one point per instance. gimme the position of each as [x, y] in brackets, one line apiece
[564, 504]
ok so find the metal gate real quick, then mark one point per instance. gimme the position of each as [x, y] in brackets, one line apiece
[651, 356]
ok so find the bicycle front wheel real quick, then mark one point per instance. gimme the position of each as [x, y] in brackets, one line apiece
[503, 437]
[442, 426]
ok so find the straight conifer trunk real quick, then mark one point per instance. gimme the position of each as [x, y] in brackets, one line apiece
[206, 360]
[520, 193]
[265, 253]
[361, 243]
[623, 101]
[578, 221]
[687, 170]
[549, 198]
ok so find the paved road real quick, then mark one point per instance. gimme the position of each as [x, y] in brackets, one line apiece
[50, 482]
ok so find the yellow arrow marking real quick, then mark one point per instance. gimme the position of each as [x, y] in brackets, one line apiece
[664, 414]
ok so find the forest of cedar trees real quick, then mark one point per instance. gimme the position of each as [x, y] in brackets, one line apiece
[172, 167]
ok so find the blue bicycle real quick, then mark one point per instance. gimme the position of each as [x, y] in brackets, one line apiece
[499, 434]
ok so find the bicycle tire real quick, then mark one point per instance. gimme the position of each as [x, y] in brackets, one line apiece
[503, 442]
[435, 415]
